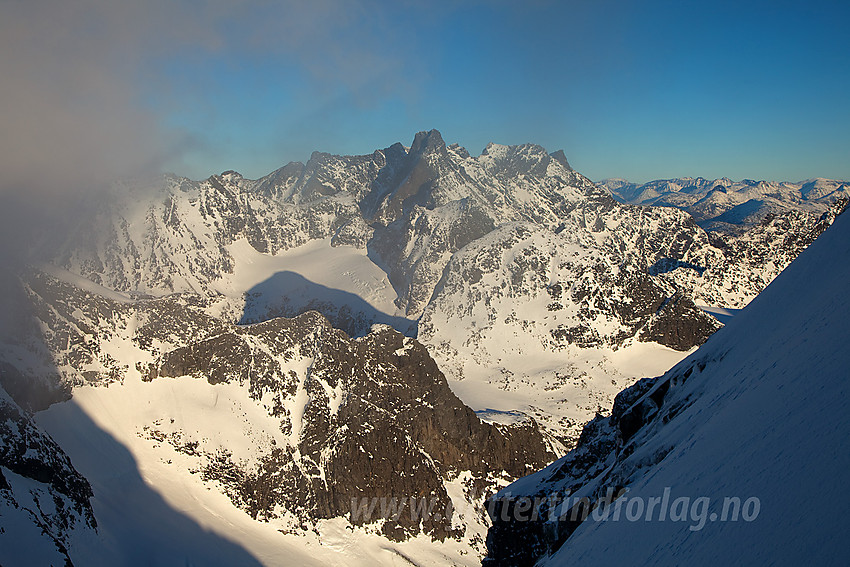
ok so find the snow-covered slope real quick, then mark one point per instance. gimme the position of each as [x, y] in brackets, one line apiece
[339, 281]
[758, 413]
[45, 503]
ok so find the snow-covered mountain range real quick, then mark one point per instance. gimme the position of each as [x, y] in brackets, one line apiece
[731, 206]
[545, 279]
[416, 322]
[754, 422]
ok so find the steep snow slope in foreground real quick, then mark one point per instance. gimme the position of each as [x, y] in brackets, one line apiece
[760, 411]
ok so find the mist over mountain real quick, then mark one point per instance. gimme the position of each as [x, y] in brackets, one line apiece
[510, 266]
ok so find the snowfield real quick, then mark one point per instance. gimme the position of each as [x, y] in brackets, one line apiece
[154, 509]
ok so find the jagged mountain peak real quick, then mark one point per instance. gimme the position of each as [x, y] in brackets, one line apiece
[428, 173]
[430, 140]
[561, 158]
[459, 150]
[530, 161]
[503, 150]
[276, 183]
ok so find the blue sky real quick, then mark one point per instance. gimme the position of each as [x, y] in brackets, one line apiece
[641, 90]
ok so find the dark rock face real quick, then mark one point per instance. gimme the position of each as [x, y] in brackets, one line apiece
[416, 245]
[394, 430]
[678, 324]
[27, 370]
[512, 543]
[644, 310]
[654, 316]
[33, 392]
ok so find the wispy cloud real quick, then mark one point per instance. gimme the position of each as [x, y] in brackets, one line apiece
[78, 79]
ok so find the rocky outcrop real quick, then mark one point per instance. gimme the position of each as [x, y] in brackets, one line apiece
[512, 543]
[378, 420]
[678, 324]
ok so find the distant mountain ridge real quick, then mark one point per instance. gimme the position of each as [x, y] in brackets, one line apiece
[728, 206]
[412, 213]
